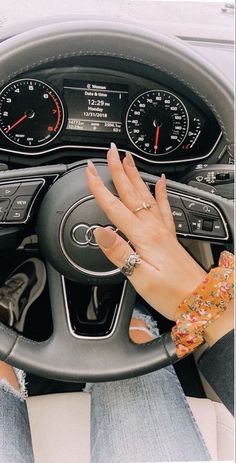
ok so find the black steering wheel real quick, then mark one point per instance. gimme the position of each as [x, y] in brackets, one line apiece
[65, 355]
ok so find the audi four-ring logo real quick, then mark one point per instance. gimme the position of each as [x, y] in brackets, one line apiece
[83, 235]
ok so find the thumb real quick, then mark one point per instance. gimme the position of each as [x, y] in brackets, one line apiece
[115, 248]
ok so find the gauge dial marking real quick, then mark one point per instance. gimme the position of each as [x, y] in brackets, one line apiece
[151, 112]
[32, 107]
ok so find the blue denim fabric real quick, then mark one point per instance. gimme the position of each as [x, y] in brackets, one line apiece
[15, 438]
[144, 419]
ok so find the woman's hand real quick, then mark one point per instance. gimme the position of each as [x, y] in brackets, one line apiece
[167, 273]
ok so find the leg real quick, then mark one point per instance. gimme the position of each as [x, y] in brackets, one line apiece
[15, 439]
[144, 419]
[17, 294]
[7, 373]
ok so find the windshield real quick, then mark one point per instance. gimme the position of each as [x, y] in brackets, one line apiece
[193, 19]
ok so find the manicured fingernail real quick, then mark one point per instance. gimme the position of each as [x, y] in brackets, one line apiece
[113, 152]
[163, 178]
[105, 237]
[113, 146]
[92, 169]
[130, 160]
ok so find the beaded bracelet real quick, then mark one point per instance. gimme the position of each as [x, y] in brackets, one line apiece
[203, 306]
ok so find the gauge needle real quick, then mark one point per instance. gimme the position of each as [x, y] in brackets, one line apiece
[16, 123]
[156, 139]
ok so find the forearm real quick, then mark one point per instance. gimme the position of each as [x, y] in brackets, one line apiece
[217, 366]
[217, 362]
[220, 327]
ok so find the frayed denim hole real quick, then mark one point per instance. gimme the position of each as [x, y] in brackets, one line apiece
[9, 389]
[149, 321]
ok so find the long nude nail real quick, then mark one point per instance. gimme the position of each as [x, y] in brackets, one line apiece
[130, 160]
[113, 152]
[113, 146]
[105, 237]
[92, 169]
[163, 178]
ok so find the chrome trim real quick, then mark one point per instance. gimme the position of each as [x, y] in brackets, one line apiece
[194, 198]
[106, 148]
[24, 180]
[81, 269]
[68, 314]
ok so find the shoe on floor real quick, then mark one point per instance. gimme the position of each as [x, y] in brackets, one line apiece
[24, 285]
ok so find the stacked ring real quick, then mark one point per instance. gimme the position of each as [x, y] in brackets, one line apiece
[130, 263]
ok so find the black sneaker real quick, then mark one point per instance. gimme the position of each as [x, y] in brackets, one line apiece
[20, 290]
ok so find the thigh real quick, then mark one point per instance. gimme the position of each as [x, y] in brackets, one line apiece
[15, 438]
[144, 419]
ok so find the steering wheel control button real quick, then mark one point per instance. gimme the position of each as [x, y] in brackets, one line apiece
[15, 216]
[174, 200]
[218, 229]
[210, 228]
[8, 190]
[207, 225]
[28, 188]
[21, 202]
[178, 213]
[197, 206]
[195, 223]
[181, 226]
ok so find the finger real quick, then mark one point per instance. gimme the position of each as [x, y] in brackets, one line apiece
[164, 205]
[129, 195]
[139, 185]
[115, 210]
[122, 183]
[117, 250]
[135, 179]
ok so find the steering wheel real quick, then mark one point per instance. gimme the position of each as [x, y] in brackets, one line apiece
[64, 355]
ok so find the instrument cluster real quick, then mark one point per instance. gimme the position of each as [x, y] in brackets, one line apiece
[51, 111]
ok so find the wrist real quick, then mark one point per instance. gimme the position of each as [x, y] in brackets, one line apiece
[204, 306]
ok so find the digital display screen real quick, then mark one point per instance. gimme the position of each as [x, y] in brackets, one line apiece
[95, 106]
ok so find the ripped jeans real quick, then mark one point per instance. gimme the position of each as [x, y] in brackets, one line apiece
[15, 438]
[144, 419]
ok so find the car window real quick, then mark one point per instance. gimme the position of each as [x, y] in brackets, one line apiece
[197, 19]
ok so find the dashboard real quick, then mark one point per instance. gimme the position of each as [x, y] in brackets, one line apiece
[81, 108]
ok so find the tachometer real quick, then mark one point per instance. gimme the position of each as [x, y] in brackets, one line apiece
[31, 113]
[157, 122]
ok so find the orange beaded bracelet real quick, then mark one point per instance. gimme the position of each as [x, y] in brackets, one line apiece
[203, 306]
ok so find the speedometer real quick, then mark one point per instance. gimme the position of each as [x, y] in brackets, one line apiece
[157, 122]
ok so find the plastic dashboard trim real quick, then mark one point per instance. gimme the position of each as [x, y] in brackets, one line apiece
[105, 148]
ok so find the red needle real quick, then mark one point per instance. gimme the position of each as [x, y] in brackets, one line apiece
[16, 123]
[157, 139]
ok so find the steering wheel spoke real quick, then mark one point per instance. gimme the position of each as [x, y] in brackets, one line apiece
[65, 221]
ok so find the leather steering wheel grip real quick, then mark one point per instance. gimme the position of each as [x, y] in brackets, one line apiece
[63, 356]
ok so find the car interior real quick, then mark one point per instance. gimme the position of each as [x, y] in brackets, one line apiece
[68, 89]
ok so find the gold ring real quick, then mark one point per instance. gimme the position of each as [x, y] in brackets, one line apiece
[144, 206]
